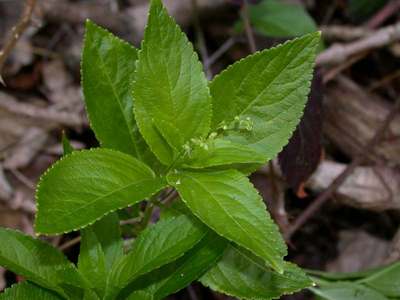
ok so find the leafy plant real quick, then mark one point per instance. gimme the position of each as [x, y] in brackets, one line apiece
[161, 125]
[379, 284]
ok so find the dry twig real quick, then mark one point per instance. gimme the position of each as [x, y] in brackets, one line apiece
[338, 53]
[16, 33]
[391, 8]
[45, 114]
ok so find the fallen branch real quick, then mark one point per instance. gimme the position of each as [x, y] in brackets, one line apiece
[339, 53]
[45, 114]
[16, 33]
[323, 197]
[344, 33]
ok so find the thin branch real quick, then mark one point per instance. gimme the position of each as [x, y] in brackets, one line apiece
[391, 8]
[16, 33]
[339, 53]
[219, 52]
[247, 26]
[200, 39]
[324, 196]
[70, 243]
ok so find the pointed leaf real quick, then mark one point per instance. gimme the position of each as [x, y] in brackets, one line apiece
[67, 147]
[85, 185]
[228, 203]
[158, 245]
[91, 262]
[241, 275]
[347, 291]
[180, 273]
[269, 89]
[108, 66]
[170, 90]
[108, 233]
[37, 261]
[27, 290]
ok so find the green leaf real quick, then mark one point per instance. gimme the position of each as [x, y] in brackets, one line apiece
[172, 99]
[158, 245]
[108, 66]
[37, 261]
[278, 19]
[268, 89]
[180, 273]
[386, 281]
[347, 291]
[220, 152]
[27, 290]
[91, 262]
[242, 275]
[101, 246]
[67, 147]
[86, 185]
[228, 203]
[108, 233]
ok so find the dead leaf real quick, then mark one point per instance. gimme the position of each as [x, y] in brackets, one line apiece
[374, 188]
[300, 157]
[358, 251]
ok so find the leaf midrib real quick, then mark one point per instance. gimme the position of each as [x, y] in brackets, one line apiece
[108, 78]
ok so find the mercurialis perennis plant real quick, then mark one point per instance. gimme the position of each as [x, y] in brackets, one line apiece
[173, 140]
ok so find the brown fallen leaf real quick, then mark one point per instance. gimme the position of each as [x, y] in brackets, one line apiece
[374, 188]
[358, 251]
[26, 149]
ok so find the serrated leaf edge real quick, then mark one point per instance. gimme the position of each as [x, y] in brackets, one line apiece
[197, 60]
[37, 191]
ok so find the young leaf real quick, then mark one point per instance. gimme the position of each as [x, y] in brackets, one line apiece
[180, 273]
[85, 185]
[241, 275]
[385, 281]
[108, 67]
[67, 147]
[269, 89]
[347, 291]
[158, 245]
[221, 152]
[228, 203]
[37, 261]
[108, 233]
[27, 290]
[278, 19]
[170, 90]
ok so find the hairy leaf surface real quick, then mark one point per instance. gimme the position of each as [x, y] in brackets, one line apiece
[108, 67]
[228, 203]
[269, 89]
[27, 290]
[101, 246]
[240, 274]
[37, 261]
[158, 245]
[172, 100]
[85, 185]
[175, 276]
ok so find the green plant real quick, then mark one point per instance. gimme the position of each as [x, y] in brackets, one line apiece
[376, 284]
[161, 125]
